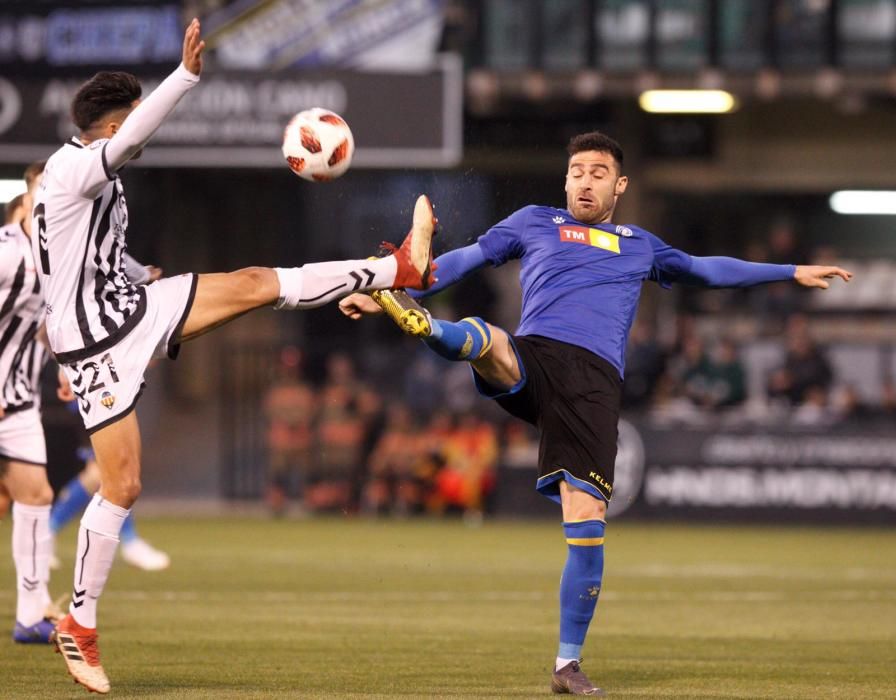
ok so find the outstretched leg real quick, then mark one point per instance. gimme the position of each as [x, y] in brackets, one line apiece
[223, 297]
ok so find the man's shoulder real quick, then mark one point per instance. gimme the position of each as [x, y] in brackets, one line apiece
[74, 149]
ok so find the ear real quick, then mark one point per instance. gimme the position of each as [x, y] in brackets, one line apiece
[621, 184]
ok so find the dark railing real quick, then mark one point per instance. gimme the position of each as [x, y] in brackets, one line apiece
[653, 35]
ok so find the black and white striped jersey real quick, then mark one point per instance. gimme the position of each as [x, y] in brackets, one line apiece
[22, 355]
[79, 222]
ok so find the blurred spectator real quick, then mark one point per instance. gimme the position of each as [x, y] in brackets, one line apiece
[691, 371]
[729, 384]
[289, 407]
[806, 374]
[775, 302]
[644, 363]
[471, 454]
[396, 483]
[340, 436]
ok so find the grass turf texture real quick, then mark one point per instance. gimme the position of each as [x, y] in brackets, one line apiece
[351, 608]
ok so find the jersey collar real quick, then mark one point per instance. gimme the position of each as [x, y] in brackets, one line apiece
[74, 142]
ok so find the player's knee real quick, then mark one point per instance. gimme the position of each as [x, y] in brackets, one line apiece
[124, 492]
[38, 493]
[258, 284]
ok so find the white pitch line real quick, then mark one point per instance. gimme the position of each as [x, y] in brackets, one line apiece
[299, 597]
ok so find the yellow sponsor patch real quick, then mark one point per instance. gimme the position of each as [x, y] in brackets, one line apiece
[590, 236]
[602, 239]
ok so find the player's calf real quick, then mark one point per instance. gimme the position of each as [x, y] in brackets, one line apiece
[468, 339]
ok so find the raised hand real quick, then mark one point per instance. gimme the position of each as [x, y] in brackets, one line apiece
[817, 275]
[193, 46]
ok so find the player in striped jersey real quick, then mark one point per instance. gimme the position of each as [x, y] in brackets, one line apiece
[23, 451]
[105, 330]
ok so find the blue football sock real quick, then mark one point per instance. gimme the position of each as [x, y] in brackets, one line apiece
[72, 501]
[468, 339]
[128, 529]
[580, 585]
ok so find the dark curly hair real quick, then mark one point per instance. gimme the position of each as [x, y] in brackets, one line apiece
[105, 92]
[596, 141]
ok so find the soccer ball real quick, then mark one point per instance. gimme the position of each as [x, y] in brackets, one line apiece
[318, 145]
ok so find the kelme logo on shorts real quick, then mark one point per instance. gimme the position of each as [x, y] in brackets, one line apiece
[599, 480]
[590, 236]
[107, 399]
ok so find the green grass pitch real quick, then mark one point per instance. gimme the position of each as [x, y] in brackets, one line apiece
[253, 608]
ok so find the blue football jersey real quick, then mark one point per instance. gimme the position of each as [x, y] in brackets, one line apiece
[581, 282]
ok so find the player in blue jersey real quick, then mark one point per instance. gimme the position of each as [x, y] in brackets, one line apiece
[562, 370]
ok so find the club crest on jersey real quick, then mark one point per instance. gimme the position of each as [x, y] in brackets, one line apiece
[559, 220]
[590, 236]
[107, 399]
[624, 231]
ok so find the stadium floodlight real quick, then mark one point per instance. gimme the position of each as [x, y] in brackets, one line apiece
[10, 189]
[687, 101]
[864, 202]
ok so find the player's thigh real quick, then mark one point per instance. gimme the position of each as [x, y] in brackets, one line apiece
[27, 483]
[118, 448]
[499, 367]
[222, 297]
[580, 505]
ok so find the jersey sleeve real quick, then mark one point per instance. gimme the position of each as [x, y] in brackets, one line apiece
[669, 264]
[504, 240]
[673, 265]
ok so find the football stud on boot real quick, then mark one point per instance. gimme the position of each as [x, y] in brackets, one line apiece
[414, 255]
[570, 679]
[412, 318]
[78, 646]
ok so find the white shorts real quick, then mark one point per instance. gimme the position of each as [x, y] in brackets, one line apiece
[22, 437]
[109, 383]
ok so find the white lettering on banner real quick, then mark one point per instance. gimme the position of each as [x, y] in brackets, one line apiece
[808, 450]
[745, 487]
[10, 104]
[221, 99]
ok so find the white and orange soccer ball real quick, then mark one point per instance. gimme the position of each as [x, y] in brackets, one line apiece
[318, 145]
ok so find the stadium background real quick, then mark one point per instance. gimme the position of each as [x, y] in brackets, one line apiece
[727, 576]
[814, 82]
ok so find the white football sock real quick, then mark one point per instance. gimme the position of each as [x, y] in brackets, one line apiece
[316, 284]
[31, 544]
[97, 542]
[561, 662]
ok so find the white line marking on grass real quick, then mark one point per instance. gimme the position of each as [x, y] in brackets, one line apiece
[305, 597]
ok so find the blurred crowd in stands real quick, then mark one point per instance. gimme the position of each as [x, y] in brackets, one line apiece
[342, 446]
[422, 441]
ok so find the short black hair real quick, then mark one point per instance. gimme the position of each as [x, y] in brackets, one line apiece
[105, 92]
[595, 141]
[33, 171]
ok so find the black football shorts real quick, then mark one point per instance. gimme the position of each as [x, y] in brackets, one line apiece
[572, 396]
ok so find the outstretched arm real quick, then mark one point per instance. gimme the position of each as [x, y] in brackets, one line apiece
[142, 123]
[452, 267]
[673, 265]
[732, 272]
